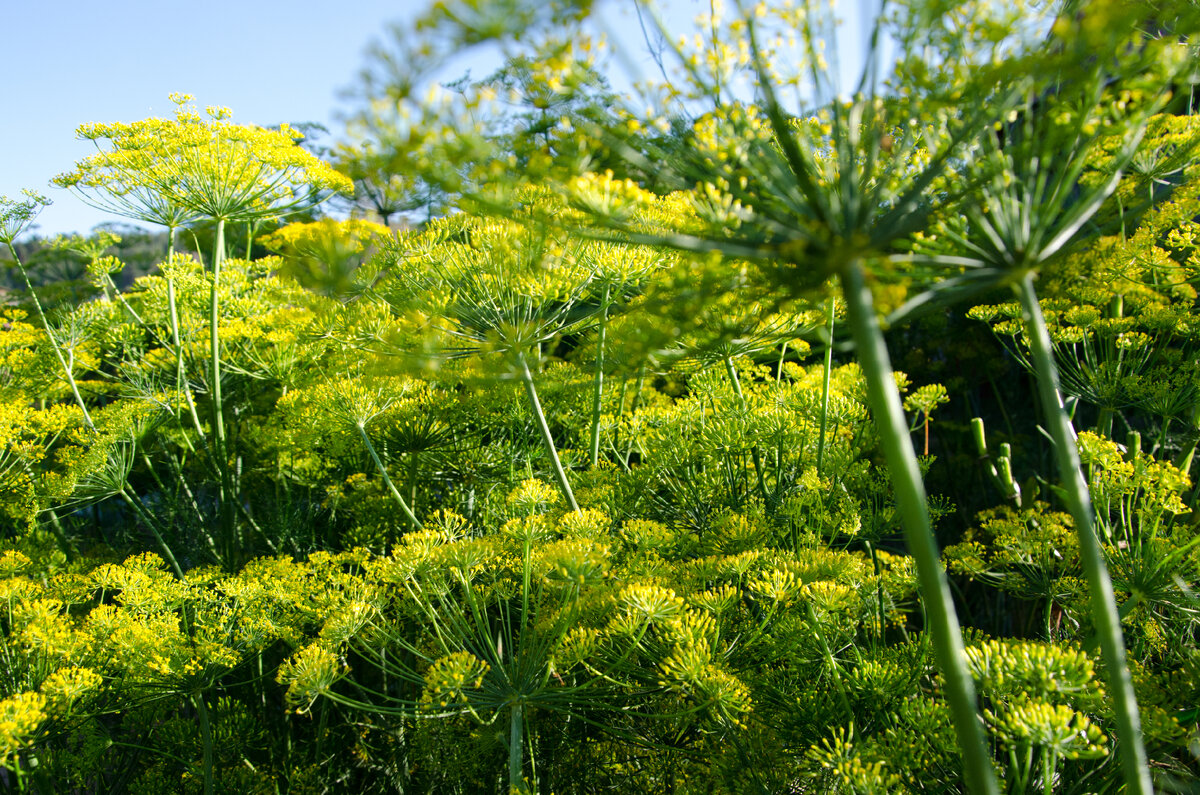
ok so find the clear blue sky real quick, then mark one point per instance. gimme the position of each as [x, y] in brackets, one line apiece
[67, 62]
[75, 61]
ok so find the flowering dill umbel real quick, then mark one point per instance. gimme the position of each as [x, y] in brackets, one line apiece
[173, 171]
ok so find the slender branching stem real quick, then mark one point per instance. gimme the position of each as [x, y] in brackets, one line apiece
[387, 481]
[1132, 752]
[755, 455]
[145, 516]
[67, 370]
[60, 535]
[181, 380]
[834, 668]
[884, 400]
[598, 381]
[536, 405]
[827, 370]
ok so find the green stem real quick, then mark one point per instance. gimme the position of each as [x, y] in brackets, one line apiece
[153, 527]
[228, 515]
[598, 383]
[250, 226]
[879, 606]
[387, 481]
[50, 336]
[516, 746]
[888, 413]
[60, 536]
[207, 741]
[531, 392]
[1075, 491]
[834, 668]
[633, 407]
[215, 337]
[181, 382]
[825, 378]
[414, 463]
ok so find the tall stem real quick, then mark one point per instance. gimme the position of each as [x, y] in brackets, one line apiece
[1079, 502]
[531, 392]
[598, 382]
[888, 413]
[181, 381]
[206, 740]
[215, 337]
[825, 378]
[516, 747]
[250, 226]
[228, 516]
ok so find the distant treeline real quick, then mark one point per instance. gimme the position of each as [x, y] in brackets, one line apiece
[60, 275]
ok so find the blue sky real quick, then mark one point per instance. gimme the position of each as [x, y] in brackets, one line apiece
[76, 61]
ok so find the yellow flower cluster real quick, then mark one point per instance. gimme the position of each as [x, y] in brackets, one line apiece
[448, 679]
[163, 170]
[20, 717]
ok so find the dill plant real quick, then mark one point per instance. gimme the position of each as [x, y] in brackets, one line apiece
[209, 168]
[704, 597]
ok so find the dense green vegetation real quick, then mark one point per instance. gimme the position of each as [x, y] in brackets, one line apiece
[766, 440]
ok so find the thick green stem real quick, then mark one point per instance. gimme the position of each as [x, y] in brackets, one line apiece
[1075, 491]
[535, 404]
[598, 382]
[214, 333]
[250, 227]
[827, 370]
[206, 740]
[387, 481]
[60, 536]
[516, 747]
[228, 514]
[886, 409]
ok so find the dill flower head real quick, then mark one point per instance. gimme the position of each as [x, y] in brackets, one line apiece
[20, 717]
[17, 216]
[309, 673]
[448, 679]
[68, 686]
[171, 171]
